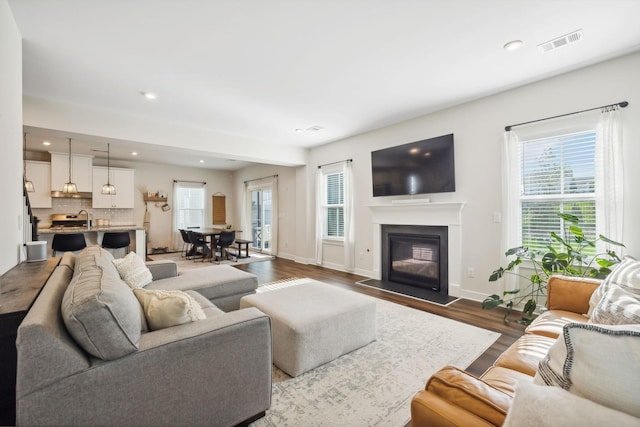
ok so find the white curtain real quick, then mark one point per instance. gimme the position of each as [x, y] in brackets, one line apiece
[245, 213]
[609, 161]
[510, 201]
[176, 237]
[319, 214]
[349, 234]
[274, 216]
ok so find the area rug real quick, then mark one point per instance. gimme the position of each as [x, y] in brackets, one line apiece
[373, 385]
[186, 264]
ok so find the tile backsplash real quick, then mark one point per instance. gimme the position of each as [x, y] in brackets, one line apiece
[73, 206]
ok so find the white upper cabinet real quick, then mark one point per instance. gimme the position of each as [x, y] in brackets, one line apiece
[122, 179]
[40, 174]
[80, 171]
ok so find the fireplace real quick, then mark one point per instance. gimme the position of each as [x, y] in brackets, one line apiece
[416, 255]
[435, 217]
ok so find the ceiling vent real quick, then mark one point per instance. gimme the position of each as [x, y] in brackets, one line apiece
[565, 40]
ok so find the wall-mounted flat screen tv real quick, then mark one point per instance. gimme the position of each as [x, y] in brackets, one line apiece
[420, 167]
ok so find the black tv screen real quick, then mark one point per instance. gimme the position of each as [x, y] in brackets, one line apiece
[420, 167]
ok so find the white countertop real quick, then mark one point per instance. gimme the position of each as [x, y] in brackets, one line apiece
[68, 230]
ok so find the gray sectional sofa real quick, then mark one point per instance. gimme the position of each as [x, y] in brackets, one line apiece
[87, 357]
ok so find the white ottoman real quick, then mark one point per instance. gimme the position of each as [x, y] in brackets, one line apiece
[314, 323]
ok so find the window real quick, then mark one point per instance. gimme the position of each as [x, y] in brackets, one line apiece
[334, 205]
[557, 174]
[189, 207]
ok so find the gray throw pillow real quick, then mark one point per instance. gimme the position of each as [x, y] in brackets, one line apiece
[102, 314]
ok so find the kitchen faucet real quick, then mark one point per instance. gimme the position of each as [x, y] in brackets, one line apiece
[88, 220]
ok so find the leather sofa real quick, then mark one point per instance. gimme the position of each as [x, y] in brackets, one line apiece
[104, 365]
[453, 397]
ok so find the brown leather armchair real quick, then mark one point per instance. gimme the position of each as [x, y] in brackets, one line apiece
[453, 397]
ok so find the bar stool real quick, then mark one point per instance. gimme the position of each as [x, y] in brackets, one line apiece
[67, 242]
[116, 240]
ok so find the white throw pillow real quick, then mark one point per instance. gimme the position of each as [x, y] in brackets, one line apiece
[535, 406]
[617, 307]
[133, 270]
[626, 275]
[598, 362]
[164, 309]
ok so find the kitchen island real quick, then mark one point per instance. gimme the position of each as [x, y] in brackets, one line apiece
[93, 235]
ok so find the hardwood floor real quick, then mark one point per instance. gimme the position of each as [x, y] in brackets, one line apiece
[465, 311]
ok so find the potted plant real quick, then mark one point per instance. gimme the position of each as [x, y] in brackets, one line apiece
[568, 256]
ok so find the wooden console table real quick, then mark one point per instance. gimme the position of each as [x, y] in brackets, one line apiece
[19, 287]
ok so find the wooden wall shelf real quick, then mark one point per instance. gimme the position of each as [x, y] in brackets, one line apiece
[155, 199]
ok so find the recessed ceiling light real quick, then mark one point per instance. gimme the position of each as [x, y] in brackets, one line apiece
[201, 161]
[513, 45]
[299, 130]
[149, 95]
[46, 143]
[134, 153]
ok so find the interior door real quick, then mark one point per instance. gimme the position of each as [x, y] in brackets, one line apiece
[261, 219]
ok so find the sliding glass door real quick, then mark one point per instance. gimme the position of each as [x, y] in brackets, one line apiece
[261, 218]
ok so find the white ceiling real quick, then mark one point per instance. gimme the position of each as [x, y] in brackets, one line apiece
[261, 69]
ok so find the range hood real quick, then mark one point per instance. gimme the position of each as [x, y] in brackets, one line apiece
[78, 195]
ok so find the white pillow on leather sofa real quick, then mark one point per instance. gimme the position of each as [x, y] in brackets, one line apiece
[598, 362]
[535, 406]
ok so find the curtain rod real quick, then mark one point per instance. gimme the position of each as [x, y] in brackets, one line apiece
[622, 104]
[195, 182]
[264, 177]
[334, 163]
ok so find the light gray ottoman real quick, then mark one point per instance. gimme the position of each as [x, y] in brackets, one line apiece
[314, 323]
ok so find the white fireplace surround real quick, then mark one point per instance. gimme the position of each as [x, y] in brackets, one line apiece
[447, 214]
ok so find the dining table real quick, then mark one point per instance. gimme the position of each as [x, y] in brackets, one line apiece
[211, 235]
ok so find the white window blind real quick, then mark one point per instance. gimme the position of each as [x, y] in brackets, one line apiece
[334, 205]
[190, 207]
[558, 174]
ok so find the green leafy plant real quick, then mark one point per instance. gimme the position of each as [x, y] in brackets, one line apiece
[566, 256]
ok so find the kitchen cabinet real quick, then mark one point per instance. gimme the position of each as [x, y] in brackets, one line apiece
[122, 179]
[40, 174]
[81, 173]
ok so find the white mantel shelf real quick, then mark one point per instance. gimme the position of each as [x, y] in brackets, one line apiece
[410, 202]
[430, 213]
[420, 212]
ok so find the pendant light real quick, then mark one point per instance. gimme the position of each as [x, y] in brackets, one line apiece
[108, 188]
[70, 187]
[28, 185]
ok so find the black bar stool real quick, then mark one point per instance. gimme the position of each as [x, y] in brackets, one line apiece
[112, 240]
[67, 242]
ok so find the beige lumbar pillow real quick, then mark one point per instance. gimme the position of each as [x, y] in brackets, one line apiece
[133, 270]
[164, 309]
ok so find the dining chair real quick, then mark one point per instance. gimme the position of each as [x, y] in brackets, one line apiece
[198, 241]
[226, 239]
[186, 243]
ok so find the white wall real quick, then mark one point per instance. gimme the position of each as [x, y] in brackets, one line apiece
[11, 214]
[154, 177]
[478, 131]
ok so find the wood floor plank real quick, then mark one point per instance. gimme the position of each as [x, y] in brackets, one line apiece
[464, 311]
